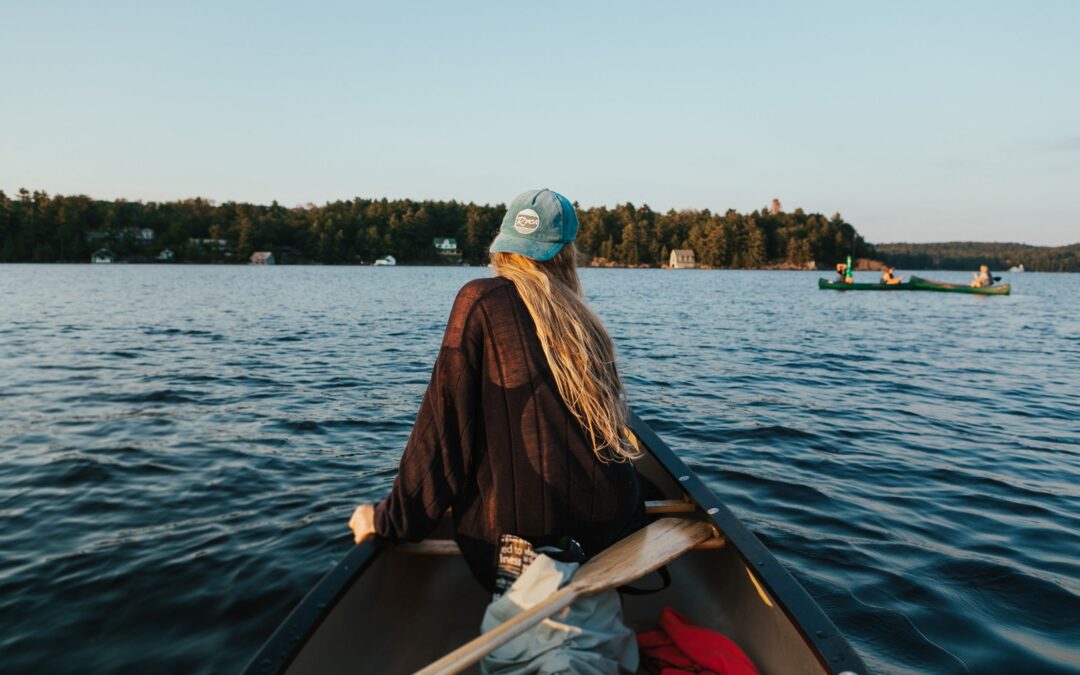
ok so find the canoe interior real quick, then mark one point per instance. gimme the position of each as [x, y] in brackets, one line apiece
[408, 609]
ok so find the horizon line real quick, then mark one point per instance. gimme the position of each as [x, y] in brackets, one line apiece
[309, 204]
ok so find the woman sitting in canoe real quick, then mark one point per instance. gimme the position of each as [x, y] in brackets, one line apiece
[521, 432]
[888, 278]
[983, 278]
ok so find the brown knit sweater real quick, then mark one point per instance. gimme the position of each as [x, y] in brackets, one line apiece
[495, 442]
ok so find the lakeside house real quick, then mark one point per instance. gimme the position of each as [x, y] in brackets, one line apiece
[262, 258]
[447, 249]
[386, 261]
[682, 259]
[166, 256]
[103, 256]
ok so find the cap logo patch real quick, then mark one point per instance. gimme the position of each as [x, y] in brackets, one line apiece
[526, 221]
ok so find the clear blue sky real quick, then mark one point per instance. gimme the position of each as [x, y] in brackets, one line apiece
[917, 121]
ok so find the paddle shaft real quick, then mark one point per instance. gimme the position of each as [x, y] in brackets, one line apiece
[470, 653]
[628, 560]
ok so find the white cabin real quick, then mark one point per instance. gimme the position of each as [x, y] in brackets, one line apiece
[682, 259]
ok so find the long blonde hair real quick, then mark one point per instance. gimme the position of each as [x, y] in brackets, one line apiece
[578, 347]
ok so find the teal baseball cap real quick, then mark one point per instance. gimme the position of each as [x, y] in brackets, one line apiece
[537, 225]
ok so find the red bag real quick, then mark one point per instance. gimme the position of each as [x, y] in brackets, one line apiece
[680, 647]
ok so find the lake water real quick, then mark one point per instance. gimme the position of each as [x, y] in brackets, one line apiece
[181, 448]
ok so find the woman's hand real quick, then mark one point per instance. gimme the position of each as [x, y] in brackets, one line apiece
[362, 522]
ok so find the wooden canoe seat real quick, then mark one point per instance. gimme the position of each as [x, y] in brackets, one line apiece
[660, 507]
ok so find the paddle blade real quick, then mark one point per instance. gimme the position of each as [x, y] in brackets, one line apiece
[642, 552]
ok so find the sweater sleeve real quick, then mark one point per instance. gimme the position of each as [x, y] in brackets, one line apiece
[436, 460]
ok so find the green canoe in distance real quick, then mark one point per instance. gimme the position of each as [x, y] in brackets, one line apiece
[841, 286]
[918, 284]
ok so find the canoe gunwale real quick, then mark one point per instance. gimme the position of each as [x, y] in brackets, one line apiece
[920, 284]
[829, 645]
[827, 285]
[286, 641]
[806, 616]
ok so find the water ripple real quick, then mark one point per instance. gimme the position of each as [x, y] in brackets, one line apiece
[175, 475]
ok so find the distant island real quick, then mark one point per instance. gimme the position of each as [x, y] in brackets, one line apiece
[38, 227]
[968, 255]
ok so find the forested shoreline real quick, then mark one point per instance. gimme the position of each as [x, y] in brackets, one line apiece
[968, 255]
[38, 227]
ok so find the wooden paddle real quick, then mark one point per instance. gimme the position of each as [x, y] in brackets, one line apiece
[632, 558]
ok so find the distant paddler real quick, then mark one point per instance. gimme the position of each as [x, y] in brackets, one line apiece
[843, 272]
[983, 278]
[889, 278]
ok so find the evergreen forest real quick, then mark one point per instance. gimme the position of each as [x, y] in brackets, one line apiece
[38, 227]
